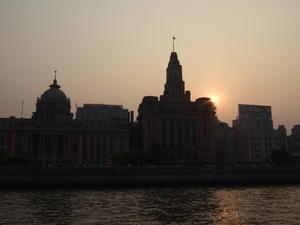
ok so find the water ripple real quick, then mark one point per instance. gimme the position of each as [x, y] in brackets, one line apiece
[220, 206]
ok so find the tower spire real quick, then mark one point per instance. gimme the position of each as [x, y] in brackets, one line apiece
[174, 86]
[55, 71]
[173, 42]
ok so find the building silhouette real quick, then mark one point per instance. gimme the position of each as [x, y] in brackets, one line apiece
[172, 127]
[52, 136]
[53, 105]
[224, 142]
[255, 136]
[293, 141]
[102, 112]
[179, 128]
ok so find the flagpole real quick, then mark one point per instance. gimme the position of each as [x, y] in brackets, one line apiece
[173, 43]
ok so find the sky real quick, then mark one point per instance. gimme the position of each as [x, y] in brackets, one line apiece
[116, 52]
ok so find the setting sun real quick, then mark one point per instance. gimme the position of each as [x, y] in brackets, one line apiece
[214, 99]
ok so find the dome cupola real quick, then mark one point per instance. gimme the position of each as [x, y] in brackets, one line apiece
[53, 104]
[54, 94]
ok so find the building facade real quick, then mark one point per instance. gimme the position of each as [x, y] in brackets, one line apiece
[102, 112]
[224, 143]
[52, 135]
[293, 141]
[179, 127]
[256, 137]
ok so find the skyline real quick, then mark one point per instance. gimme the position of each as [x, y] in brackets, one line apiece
[102, 50]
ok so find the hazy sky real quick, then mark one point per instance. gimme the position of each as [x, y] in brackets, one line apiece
[116, 52]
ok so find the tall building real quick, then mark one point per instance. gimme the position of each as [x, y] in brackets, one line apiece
[256, 137]
[179, 127]
[52, 135]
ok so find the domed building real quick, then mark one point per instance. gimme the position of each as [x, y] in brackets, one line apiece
[52, 136]
[53, 105]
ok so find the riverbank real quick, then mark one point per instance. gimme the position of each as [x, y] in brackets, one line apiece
[15, 177]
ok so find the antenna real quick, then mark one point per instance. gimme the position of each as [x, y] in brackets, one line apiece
[22, 109]
[173, 42]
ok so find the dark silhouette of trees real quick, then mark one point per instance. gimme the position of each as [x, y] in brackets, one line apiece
[281, 157]
[4, 155]
[7, 159]
[137, 157]
[133, 158]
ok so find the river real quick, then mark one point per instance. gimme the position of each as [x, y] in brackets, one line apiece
[188, 205]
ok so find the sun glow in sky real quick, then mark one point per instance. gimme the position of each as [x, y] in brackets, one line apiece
[214, 99]
[116, 52]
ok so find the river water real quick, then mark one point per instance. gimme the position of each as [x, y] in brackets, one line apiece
[194, 205]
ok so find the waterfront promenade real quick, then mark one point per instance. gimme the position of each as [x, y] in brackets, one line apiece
[147, 176]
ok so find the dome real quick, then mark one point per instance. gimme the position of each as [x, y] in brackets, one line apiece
[54, 94]
[53, 105]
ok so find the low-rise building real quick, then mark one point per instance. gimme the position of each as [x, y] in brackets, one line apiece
[102, 112]
[224, 143]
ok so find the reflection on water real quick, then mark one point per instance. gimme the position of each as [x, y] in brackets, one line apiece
[255, 205]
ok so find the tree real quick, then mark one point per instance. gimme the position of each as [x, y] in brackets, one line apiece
[280, 157]
[132, 157]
